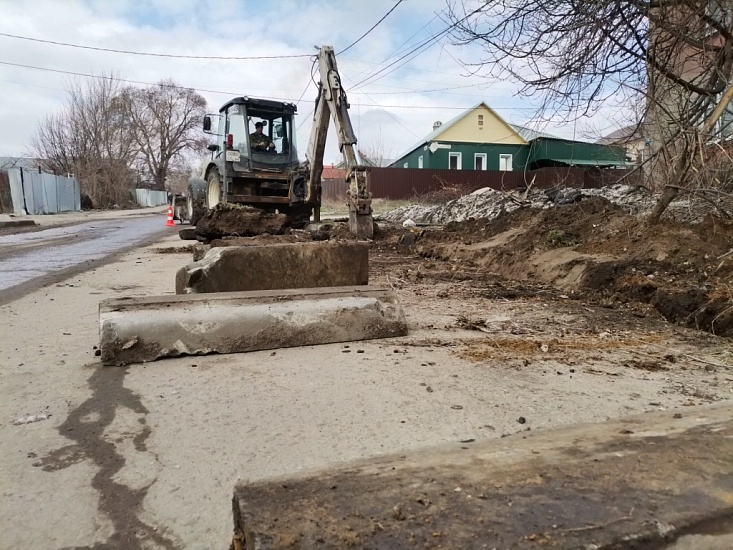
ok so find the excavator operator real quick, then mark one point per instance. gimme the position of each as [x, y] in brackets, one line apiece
[259, 141]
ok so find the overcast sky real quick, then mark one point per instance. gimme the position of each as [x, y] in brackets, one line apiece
[390, 111]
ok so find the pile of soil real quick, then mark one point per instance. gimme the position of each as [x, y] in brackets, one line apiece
[228, 219]
[684, 271]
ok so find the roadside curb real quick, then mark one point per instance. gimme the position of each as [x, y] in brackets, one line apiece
[16, 223]
[647, 479]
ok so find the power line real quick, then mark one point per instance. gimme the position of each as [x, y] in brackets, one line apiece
[105, 77]
[230, 94]
[413, 91]
[355, 42]
[396, 52]
[422, 46]
[151, 54]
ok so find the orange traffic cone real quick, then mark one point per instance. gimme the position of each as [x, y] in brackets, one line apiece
[170, 221]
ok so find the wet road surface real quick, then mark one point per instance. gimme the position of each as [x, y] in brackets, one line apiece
[31, 260]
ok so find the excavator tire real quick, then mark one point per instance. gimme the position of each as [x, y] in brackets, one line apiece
[213, 190]
[195, 207]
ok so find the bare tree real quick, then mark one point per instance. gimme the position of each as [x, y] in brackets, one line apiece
[676, 55]
[377, 152]
[165, 122]
[90, 138]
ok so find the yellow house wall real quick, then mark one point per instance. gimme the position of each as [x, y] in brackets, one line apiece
[494, 129]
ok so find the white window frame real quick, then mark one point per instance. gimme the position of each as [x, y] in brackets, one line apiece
[406, 165]
[508, 165]
[458, 156]
[419, 161]
[484, 160]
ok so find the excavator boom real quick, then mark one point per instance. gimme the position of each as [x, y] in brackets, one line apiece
[333, 103]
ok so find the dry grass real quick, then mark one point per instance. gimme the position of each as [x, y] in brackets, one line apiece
[333, 207]
[722, 291]
[503, 347]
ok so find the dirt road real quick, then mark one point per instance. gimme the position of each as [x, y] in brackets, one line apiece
[147, 456]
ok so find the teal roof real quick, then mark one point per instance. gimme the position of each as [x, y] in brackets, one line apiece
[589, 162]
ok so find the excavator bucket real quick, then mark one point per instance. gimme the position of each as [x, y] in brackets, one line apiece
[136, 330]
[361, 223]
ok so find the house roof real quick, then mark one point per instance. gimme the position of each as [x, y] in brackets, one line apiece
[530, 133]
[378, 162]
[622, 135]
[593, 162]
[333, 173]
[524, 132]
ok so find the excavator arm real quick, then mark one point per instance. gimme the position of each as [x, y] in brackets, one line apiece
[332, 102]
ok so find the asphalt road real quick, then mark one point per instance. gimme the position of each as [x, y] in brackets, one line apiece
[31, 260]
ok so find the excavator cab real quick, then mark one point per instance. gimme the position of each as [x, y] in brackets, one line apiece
[257, 134]
[254, 160]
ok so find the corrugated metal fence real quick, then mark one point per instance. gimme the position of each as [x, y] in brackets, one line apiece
[405, 183]
[34, 193]
[149, 198]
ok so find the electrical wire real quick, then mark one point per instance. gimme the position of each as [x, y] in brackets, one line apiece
[396, 52]
[355, 42]
[420, 48]
[229, 93]
[151, 54]
[424, 46]
[313, 66]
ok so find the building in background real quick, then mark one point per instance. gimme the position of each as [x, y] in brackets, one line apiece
[479, 139]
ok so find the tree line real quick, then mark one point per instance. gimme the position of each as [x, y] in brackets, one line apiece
[114, 137]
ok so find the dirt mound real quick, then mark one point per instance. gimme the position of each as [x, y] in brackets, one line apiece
[596, 247]
[240, 221]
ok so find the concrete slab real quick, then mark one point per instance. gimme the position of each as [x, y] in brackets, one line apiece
[9, 221]
[633, 483]
[275, 266]
[199, 251]
[136, 330]
[187, 234]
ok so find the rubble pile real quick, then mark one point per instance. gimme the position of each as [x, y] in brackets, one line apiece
[489, 203]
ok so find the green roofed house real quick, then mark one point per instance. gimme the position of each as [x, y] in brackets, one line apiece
[479, 139]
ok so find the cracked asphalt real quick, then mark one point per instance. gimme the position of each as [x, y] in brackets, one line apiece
[29, 260]
[148, 456]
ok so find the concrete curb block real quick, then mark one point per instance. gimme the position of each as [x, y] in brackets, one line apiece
[639, 482]
[137, 330]
[275, 266]
[16, 223]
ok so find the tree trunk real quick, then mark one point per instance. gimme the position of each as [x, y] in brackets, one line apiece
[672, 191]
[669, 194]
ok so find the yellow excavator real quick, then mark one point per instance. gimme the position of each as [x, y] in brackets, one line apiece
[254, 158]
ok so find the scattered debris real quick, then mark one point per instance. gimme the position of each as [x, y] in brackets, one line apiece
[31, 419]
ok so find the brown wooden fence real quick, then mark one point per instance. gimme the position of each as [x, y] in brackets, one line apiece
[405, 183]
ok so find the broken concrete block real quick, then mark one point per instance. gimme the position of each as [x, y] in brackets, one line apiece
[135, 330]
[188, 234]
[270, 267]
[199, 251]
